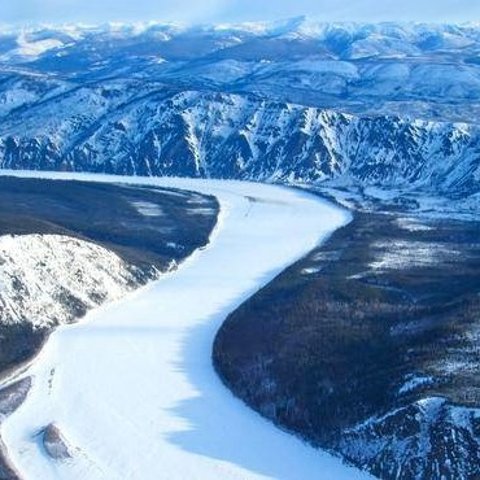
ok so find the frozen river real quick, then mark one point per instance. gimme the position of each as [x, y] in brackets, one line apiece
[132, 388]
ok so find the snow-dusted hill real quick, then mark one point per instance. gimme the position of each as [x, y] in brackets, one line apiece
[47, 280]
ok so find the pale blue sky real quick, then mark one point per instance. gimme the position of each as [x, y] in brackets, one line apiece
[33, 11]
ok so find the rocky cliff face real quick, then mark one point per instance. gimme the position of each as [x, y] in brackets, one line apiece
[429, 438]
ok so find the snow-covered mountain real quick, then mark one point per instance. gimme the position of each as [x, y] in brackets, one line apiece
[293, 101]
[126, 128]
[427, 71]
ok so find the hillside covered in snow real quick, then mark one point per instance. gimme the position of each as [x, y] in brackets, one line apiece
[422, 70]
[46, 280]
[390, 105]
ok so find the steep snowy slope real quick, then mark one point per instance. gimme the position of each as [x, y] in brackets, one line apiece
[47, 280]
[126, 128]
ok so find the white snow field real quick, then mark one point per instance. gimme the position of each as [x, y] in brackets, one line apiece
[132, 388]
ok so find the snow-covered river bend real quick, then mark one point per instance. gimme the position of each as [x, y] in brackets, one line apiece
[132, 387]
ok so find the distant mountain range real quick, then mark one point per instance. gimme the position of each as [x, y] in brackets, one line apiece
[427, 71]
[389, 105]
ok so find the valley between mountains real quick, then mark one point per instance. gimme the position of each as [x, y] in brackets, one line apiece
[130, 391]
[357, 332]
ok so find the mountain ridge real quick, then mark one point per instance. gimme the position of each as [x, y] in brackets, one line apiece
[158, 132]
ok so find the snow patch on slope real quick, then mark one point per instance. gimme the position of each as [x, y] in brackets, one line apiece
[148, 209]
[410, 254]
[29, 50]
